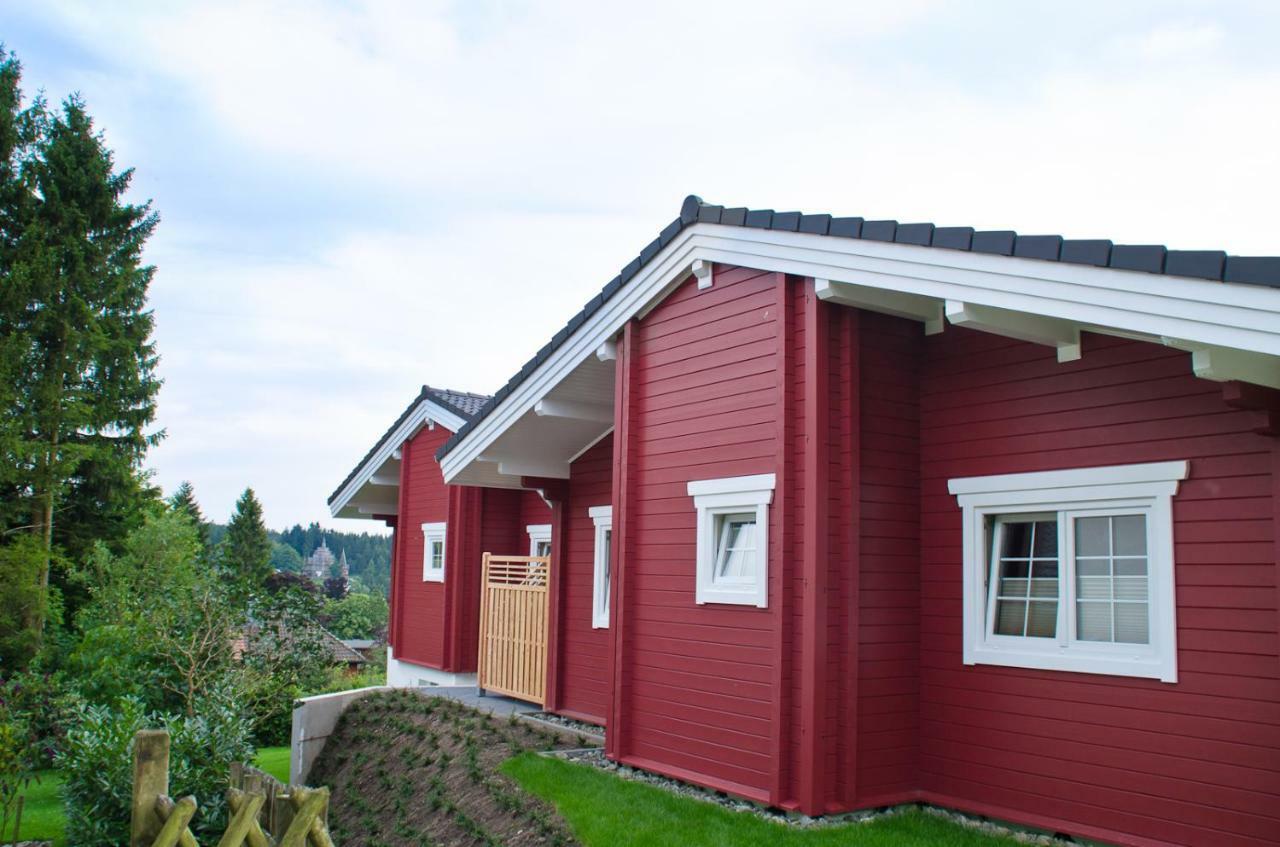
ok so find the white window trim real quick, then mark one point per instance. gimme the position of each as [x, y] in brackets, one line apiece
[432, 532]
[538, 532]
[713, 497]
[1146, 488]
[603, 518]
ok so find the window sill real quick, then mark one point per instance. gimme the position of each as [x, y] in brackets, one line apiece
[1141, 666]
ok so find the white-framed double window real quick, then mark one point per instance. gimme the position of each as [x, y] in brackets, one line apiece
[602, 517]
[1072, 570]
[539, 539]
[433, 552]
[733, 539]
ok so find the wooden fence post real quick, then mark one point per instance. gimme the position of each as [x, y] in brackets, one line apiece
[150, 782]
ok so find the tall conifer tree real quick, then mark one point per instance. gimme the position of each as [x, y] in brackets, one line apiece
[246, 550]
[78, 358]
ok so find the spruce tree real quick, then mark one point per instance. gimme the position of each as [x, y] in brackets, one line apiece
[183, 501]
[246, 550]
[77, 360]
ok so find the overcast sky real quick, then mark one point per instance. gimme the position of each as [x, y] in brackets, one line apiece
[358, 198]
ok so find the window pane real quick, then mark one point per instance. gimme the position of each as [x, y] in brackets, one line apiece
[1011, 617]
[1093, 621]
[437, 555]
[1017, 541]
[1091, 537]
[1129, 533]
[608, 554]
[1046, 539]
[735, 547]
[1131, 623]
[1021, 578]
[1042, 619]
[1111, 588]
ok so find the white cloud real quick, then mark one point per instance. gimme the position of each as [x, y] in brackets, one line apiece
[363, 197]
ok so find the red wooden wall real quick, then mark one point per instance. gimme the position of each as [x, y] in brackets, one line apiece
[694, 685]
[1196, 762]
[423, 499]
[584, 652]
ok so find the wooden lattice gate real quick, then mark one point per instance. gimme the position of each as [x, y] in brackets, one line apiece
[513, 627]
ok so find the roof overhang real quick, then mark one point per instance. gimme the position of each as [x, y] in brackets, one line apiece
[1232, 331]
[374, 488]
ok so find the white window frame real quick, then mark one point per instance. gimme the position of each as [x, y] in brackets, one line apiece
[538, 532]
[1146, 489]
[602, 516]
[730, 495]
[432, 533]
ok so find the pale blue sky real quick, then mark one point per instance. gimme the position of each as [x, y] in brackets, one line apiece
[361, 197]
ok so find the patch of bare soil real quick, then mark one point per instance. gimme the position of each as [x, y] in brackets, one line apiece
[408, 770]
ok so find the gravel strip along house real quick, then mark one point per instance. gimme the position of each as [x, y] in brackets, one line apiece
[831, 513]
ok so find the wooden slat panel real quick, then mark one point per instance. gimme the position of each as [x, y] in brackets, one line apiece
[513, 627]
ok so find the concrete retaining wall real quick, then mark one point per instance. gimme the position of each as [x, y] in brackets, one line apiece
[313, 721]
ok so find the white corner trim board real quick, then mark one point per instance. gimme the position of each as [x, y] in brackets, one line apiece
[1065, 500]
[1204, 314]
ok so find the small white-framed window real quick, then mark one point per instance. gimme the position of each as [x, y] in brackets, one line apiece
[1072, 570]
[539, 539]
[602, 572]
[733, 539]
[433, 555]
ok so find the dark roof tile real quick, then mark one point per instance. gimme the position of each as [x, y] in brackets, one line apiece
[1086, 251]
[1206, 264]
[650, 250]
[759, 218]
[736, 216]
[998, 241]
[815, 224]
[1138, 257]
[953, 237]
[670, 231]
[879, 230]
[920, 234]
[788, 221]
[1254, 270]
[846, 227]
[710, 214]
[1038, 246]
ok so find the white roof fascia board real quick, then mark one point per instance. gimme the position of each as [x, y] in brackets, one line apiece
[1233, 316]
[426, 411]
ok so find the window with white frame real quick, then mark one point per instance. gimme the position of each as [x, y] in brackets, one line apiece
[539, 539]
[602, 516]
[433, 552]
[1072, 570]
[733, 539]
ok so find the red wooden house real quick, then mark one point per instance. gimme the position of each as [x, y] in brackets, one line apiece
[850, 513]
[439, 534]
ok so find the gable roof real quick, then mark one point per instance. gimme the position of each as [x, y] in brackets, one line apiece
[1215, 265]
[463, 404]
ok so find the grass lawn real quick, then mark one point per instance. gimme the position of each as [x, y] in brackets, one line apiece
[607, 811]
[42, 817]
[275, 761]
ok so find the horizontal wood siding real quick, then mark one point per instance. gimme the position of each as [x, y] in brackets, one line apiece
[699, 678]
[889, 597]
[584, 651]
[423, 499]
[1197, 762]
[533, 510]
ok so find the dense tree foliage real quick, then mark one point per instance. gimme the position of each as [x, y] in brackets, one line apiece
[357, 616]
[184, 502]
[368, 555]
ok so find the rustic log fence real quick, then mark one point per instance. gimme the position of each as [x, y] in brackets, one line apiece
[264, 812]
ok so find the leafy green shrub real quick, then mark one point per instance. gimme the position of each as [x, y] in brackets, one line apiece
[97, 765]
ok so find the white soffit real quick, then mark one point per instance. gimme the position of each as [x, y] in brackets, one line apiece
[375, 487]
[1241, 323]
